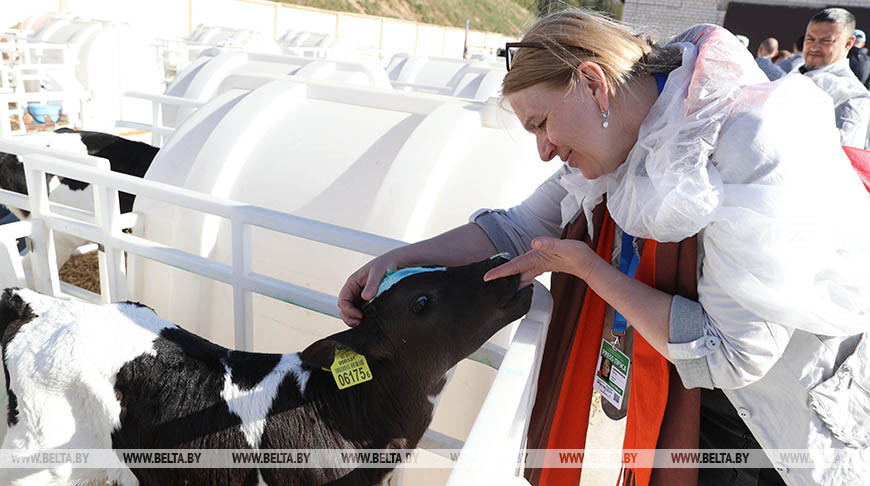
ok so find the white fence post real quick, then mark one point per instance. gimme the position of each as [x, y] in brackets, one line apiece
[5, 120]
[243, 301]
[11, 269]
[42, 256]
[114, 262]
[156, 121]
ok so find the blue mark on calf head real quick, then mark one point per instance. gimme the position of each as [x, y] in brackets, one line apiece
[393, 276]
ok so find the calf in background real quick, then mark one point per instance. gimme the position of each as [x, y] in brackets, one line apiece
[125, 156]
[117, 376]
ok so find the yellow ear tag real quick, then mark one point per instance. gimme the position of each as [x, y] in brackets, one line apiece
[349, 368]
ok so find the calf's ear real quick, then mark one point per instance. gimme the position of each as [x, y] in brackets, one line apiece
[321, 353]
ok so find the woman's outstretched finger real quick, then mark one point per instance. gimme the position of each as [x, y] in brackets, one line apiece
[519, 264]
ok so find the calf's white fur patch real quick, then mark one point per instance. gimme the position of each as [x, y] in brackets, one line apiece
[253, 405]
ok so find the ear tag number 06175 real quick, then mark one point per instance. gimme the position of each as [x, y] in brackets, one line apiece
[349, 368]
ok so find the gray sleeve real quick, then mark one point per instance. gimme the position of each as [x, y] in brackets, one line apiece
[718, 344]
[687, 328]
[512, 230]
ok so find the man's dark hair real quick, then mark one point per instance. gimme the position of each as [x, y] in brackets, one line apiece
[839, 16]
[799, 43]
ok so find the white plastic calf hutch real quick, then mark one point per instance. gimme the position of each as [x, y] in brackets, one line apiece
[203, 78]
[476, 79]
[177, 53]
[107, 58]
[249, 40]
[205, 36]
[315, 44]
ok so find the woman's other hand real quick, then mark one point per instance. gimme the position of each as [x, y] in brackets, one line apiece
[548, 255]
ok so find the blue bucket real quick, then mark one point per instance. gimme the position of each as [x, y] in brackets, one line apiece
[39, 110]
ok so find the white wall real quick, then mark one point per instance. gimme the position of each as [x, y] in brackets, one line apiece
[154, 18]
[256, 16]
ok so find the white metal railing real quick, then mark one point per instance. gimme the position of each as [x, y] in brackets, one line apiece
[159, 132]
[106, 230]
[451, 86]
[425, 88]
[172, 56]
[503, 419]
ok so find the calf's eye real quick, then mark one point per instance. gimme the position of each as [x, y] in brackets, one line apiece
[419, 304]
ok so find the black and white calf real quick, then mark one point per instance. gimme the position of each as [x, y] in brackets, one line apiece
[125, 156]
[119, 377]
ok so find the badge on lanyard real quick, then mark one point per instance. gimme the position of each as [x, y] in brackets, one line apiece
[611, 376]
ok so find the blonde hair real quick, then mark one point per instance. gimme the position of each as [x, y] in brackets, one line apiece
[571, 37]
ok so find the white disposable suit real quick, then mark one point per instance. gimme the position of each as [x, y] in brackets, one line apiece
[851, 101]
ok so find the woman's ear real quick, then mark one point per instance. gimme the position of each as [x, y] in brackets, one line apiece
[591, 78]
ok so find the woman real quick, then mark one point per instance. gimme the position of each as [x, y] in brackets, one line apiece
[684, 143]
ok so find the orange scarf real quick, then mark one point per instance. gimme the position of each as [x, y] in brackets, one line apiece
[564, 425]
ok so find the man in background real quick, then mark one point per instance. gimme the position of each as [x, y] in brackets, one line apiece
[859, 59]
[767, 50]
[828, 38]
[796, 61]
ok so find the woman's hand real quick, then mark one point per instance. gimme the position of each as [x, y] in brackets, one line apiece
[548, 255]
[362, 285]
[646, 308]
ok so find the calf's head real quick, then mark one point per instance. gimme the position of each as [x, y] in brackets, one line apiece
[427, 320]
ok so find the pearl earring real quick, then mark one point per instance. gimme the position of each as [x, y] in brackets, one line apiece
[605, 114]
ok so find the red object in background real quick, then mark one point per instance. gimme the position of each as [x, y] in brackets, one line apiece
[861, 163]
